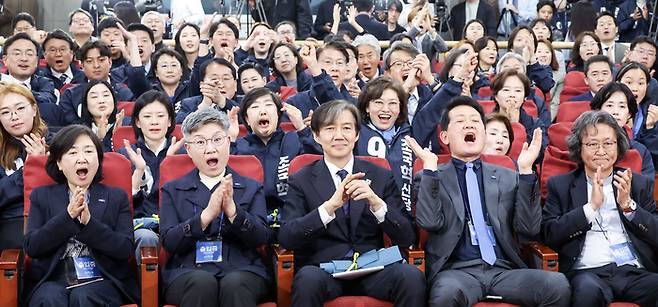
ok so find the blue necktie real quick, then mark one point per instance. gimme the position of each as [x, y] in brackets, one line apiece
[637, 123]
[346, 207]
[473, 189]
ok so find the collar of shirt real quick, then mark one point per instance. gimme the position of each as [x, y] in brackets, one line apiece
[160, 148]
[211, 182]
[333, 169]
[460, 165]
[68, 73]
[147, 68]
[10, 78]
[365, 79]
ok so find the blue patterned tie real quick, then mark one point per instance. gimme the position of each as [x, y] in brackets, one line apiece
[346, 207]
[485, 244]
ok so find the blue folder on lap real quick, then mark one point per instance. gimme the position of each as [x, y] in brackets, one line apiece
[371, 259]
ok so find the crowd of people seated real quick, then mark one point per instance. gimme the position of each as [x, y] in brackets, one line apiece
[395, 137]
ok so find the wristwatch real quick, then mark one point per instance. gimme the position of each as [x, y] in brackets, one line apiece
[631, 207]
[204, 41]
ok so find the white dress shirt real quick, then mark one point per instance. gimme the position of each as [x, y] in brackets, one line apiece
[68, 73]
[11, 79]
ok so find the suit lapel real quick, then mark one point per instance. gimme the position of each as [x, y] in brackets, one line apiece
[325, 188]
[490, 183]
[578, 198]
[97, 200]
[448, 175]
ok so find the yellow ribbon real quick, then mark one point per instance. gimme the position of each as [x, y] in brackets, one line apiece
[354, 265]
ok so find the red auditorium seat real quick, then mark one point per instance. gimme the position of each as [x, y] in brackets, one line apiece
[568, 111]
[575, 79]
[127, 106]
[519, 138]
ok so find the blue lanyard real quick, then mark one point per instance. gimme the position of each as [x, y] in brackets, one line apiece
[221, 222]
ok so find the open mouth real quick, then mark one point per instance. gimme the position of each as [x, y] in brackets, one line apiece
[59, 62]
[212, 162]
[23, 66]
[385, 118]
[223, 45]
[469, 137]
[263, 123]
[82, 173]
[262, 44]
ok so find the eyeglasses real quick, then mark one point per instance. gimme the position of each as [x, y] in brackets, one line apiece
[23, 29]
[80, 20]
[399, 64]
[62, 50]
[594, 146]
[201, 143]
[20, 111]
[645, 51]
[18, 53]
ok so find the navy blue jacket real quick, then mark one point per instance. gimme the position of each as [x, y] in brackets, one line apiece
[302, 229]
[145, 202]
[195, 75]
[71, 99]
[587, 96]
[323, 90]
[648, 137]
[43, 89]
[140, 83]
[369, 25]
[541, 76]
[190, 104]
[543, 112]
[648, 168]
[629, 28]
[184, 199]
[242, 56]
[11, 192]
[427, 118]
[304, 82]
[109, 235]
[275, 156]
[126, 72]
[78, 76]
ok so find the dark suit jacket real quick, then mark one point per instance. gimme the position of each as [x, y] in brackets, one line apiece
[43, 89]
[369, 24]
[78, 76]
[71, 99]
[512, 205]
[313, 243]
[587, 96]
[109, 235]
[485, 13]
[182, 202]
[564, 225]
[296, 11]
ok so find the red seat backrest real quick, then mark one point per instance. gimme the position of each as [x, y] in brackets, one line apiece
[127, 132]
[243, 131]
[633, 160]
[287, 127]
[568, 111]
[485, 92]
[127, 106]
[530, 108]
[117, 172]
[558, 133]
[519, 138]
[569, 92]
[303, 160]
[42, 63]
[575, 79]
[487, 105]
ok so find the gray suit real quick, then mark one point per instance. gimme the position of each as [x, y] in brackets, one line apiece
[513, 208]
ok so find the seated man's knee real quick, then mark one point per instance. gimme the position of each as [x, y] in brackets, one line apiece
[201, 284]
[310, 278]
[146, 237]
[448, 293]
[410, 276]
[233, 281]
[557, 283]
[49, 294]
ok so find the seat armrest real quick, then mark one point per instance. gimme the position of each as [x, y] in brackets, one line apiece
[9, 261]
[149, 276]
[541, 256]
[285, 269]
[415, 257]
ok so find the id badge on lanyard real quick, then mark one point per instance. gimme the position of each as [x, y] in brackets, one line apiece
[474, 237]
[85, 268]
[209, 251]
[622, 252]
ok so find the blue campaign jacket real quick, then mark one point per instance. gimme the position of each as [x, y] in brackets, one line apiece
[541, 76]
[629, 28]
[71, 99]
[242, 57]
[140, 83]
[78, 76]
[11, 191]
[43, 89]
[146, 201]
[304, 82]
[275, 156]
[426, 119]
[587, 96]
[184, 199]
[190, 104]
[648, 137]
[648, 168]
[323, 90]
[109, 235]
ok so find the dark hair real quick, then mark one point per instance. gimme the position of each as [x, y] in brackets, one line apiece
[613, 87]
[103, 49]
[86, 118]
[499, 82]
[62, 142]
[153, 96]
[218, 61]
[287, 22]
[396, 3]
[586, 18]
[226, 22]
[575, 51]
[76, 11]
[502, 118]
[515, 32]
[256, 93]
[599, 58]
[604, 14]
[299, 68]
[141, 27]
[61, 35]
[340, 46]
[246, 66]
[456, 102]
[374, 90]
[108, 22]
[484, 28]
[23, 16]
[482, 43]
[407, 48]
[16, 37]
[643, 39]
[399, 37]
[328, 113]
[547, 24]
[554, 63]
[588, 120]
[543, 3]
[177, 45]
[170, 52]
[363, 5]
[632, 66]
[450, 61]
[126, 12]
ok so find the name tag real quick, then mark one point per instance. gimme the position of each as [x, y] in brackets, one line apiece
[208, 251]
[85, 268]
[622, 253]
[474, 237]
